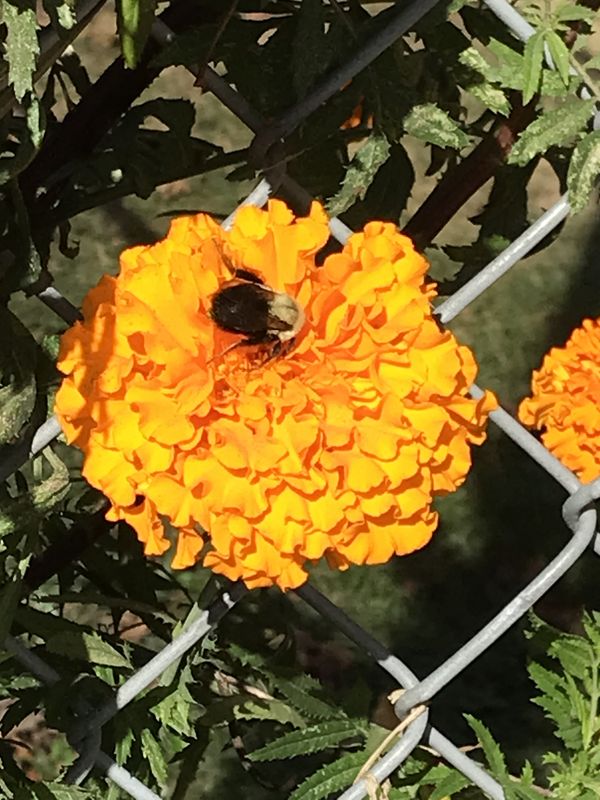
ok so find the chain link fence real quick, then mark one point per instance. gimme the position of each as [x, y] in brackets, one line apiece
[578, 512]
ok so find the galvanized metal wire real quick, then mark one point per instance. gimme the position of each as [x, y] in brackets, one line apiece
[578, 511]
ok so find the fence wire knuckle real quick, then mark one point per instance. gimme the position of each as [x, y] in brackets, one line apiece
[267, 154]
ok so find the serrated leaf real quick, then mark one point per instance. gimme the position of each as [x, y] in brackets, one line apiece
[573, 13]
[553, 127]
[88, 647]
[18, 358]
[524, 792]
[492, 751]
[456, 5]
[584, 169]
[533, 59]
[474, 60]
[509, 71]
[35, 119]
[21, 44]
[156, 759]
[59, 791]
[591, 626]
[308, 46]
[46, 494]
[308, 740]
[330, 778]
[360, 174]
[123, 745]
[559, 54]
[575, 654]
[491, 97]
[174, 710]
[275, 710]
[306, 703]
[62, 13]
[447, 785]
[545, 680]
[134, 21]
[435, 126]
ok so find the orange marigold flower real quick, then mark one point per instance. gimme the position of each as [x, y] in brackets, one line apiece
[335, 448]
[565, 401]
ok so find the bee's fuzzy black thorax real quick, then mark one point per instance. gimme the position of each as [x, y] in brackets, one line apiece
[242, 308]
[256, 311]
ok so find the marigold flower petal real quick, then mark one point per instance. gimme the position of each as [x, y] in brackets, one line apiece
[334, 449]
[565, 401]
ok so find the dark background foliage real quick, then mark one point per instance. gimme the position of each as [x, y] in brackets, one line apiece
[106, 137]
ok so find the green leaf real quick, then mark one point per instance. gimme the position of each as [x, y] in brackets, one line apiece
[559, 54]
[309, 740]
[275, 710]
[446, 784]
[309, 56]
[387, 196]
[576, 655]
[491, 97]
[35, 119]
[509, 72]
[18, 358]
[456, 5]
[61, 13]
[50, 491]
[59, 791]
[573, 13]
[524, 792]
[134, 21]
[125, 737]
[584, 169]
[88, 647]
[434, 126]
[554, 127]
[493, 754]
[474, 60]
[360, 174]
[533, 56]
[330, 778]
[174, 710]
[21, 44]
[556, 702]
[156, 759]
[306, 703]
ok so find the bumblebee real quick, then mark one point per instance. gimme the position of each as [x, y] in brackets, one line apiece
[263, 316]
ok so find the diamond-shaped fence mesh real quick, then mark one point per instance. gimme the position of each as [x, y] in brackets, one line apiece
[577, 511]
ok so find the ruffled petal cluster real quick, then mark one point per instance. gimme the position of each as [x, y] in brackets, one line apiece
[259, 466]
[565, 401]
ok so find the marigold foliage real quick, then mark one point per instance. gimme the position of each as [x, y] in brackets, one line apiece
[565, 401]
[335, 450]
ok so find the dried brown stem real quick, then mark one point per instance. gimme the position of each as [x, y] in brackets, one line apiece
[461, 183]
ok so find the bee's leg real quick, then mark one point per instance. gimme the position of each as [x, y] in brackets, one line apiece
[277, 349]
